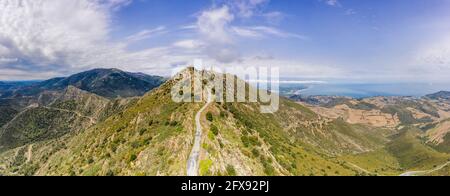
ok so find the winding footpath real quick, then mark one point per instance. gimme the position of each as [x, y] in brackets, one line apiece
[193, 161]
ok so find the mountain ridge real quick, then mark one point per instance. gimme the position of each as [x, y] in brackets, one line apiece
[439, 95]
[153, 135]
[110, 83]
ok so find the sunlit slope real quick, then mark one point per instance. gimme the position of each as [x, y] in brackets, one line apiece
[413, 153]
[406, 152]
[154, 136]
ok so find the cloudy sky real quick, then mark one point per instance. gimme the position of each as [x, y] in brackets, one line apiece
[353, 40]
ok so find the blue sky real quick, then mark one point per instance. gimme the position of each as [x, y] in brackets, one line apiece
[332, 40]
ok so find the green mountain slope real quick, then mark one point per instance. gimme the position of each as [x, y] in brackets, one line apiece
[413, 153]
[110, 83]
[73, 110]
[407, 152]
[7, 113]
[154, 136]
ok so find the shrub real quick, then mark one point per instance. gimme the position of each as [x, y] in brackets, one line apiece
[147, 141]
[255, 152]
[110, 173]
[231, 171]
[173, 123]
[268, 168]
[209, 117]
[142, 131]
[135, 144]
[204, 167]
[223, 114]
[250, 141]
[214, 130]
[133, 157]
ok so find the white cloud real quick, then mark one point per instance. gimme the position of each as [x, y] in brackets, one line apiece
[291, 68]
[15, 74]
[262, 31]
[247, 32]
[332, 2]
[189, 44]
[65, 36]
[113, 4]
[274, 17]
[350, 12]
[246, 8]
[436, 54]
[8, 60]
[51, 32]
[214, 24]
[223, 54]
[146, 34]
[60, 37]
[218, 30]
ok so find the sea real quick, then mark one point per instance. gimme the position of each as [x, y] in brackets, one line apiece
[362, 90]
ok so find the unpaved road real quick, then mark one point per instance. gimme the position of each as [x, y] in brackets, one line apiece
[30, 153]
[359, 168]
[193, 162]
[415, 173]
[92, 120]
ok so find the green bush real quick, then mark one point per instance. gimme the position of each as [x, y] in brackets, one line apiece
[231, 171]
[255, 152]
[133, 157]
[214, 130]
[173, 123]
[209, 117]
[142, 131]
[249, 141]
[110, 173]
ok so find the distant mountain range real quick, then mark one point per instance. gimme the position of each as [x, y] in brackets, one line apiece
[110, 83]
[110, 122]
[440, 95]
[33, 111]
[9, 86]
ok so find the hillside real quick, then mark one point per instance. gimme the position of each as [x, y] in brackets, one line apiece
[80, 133]
[73, 110]
[107, 83]
[154, 136]
[413, 153]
